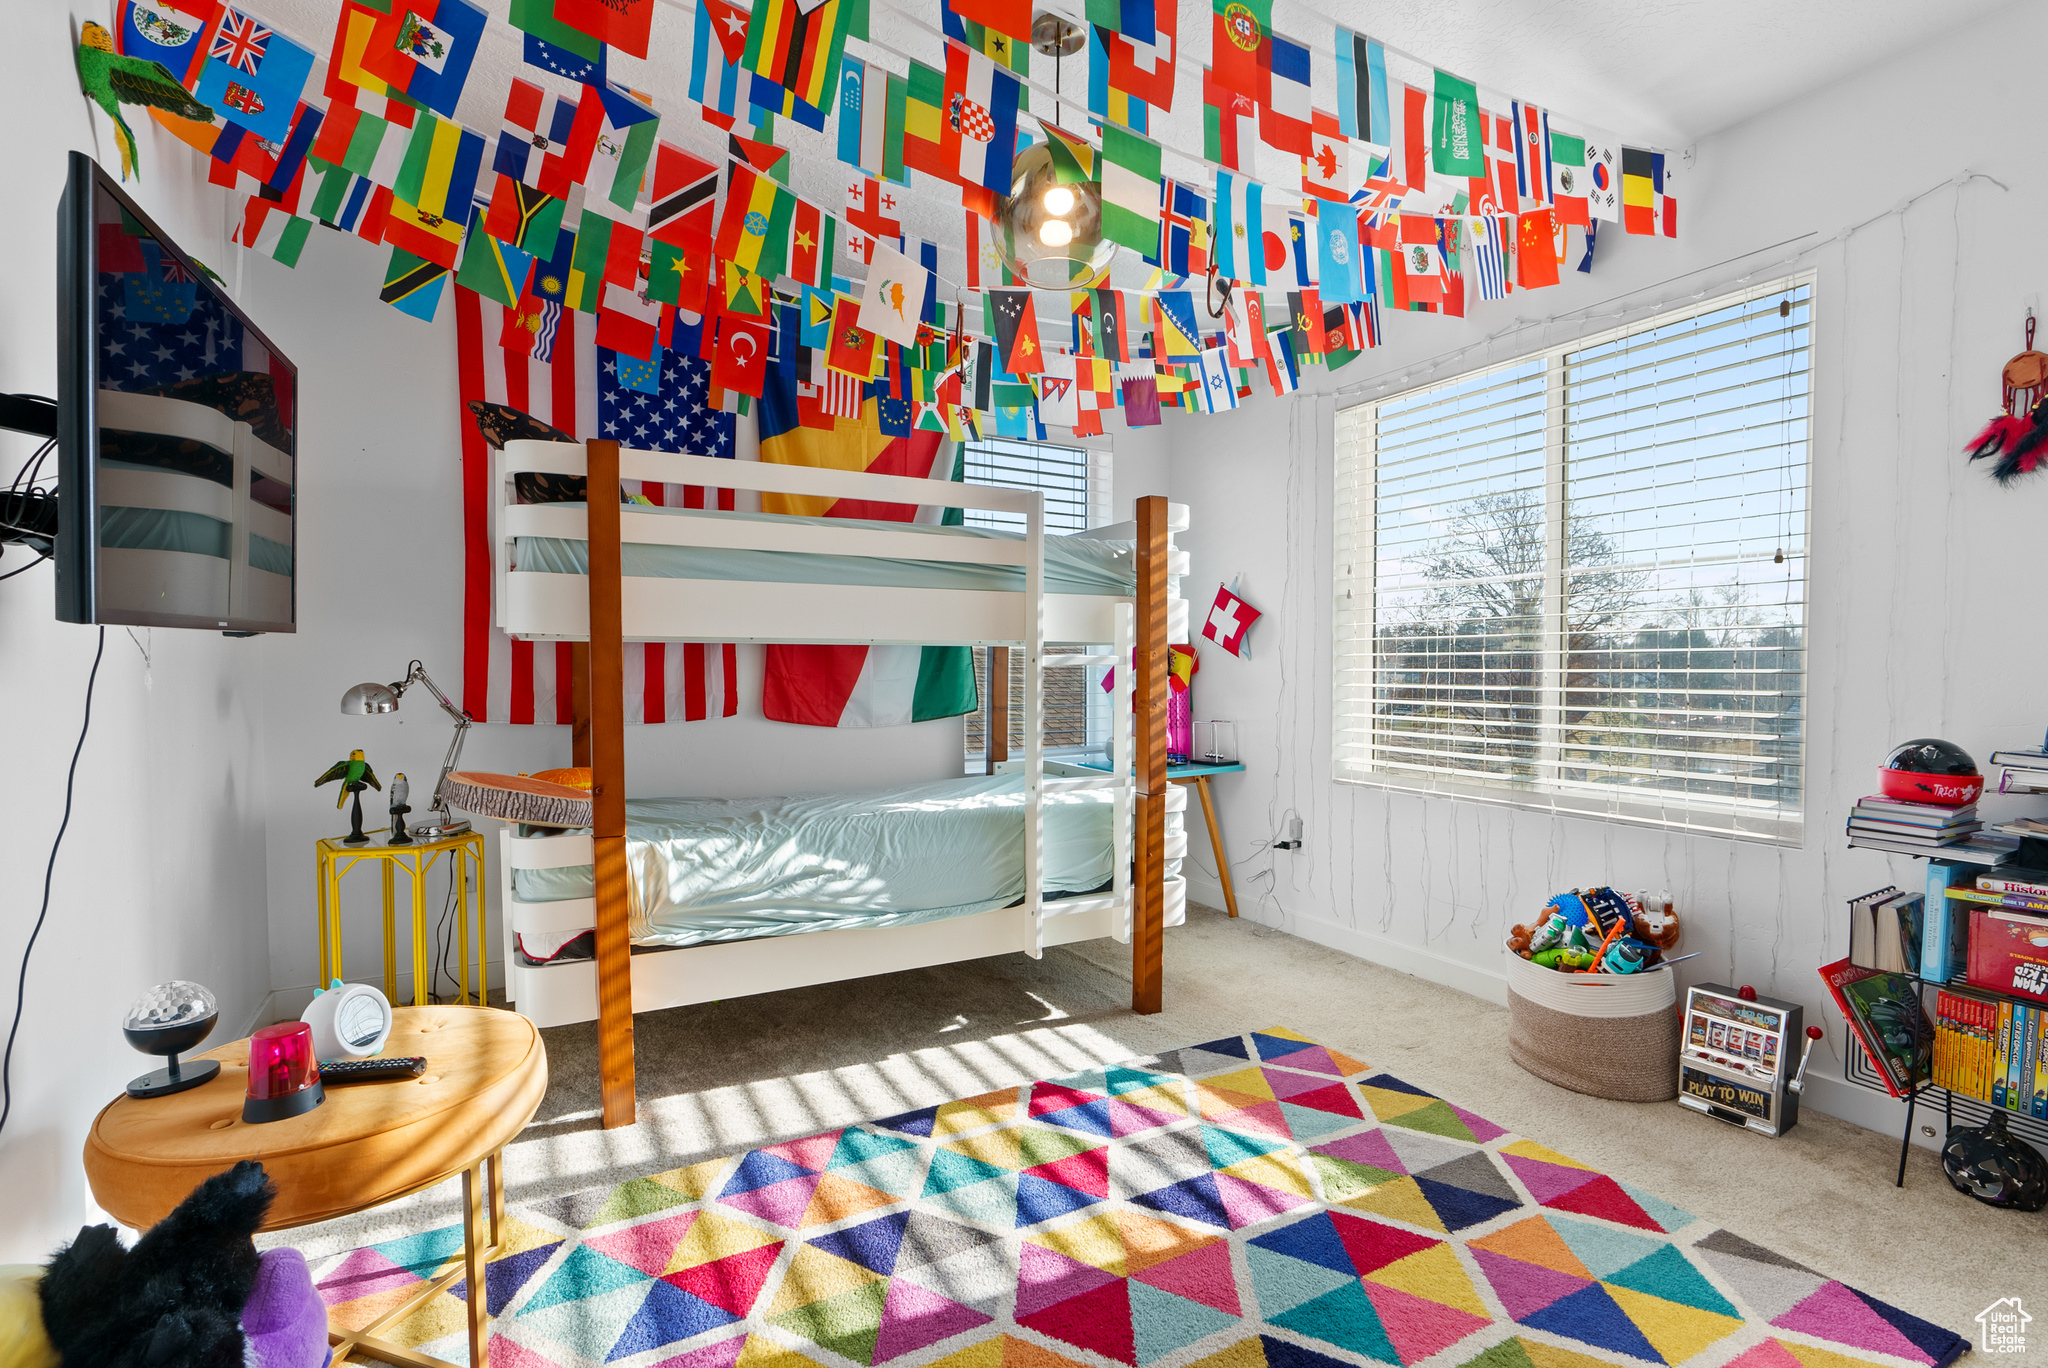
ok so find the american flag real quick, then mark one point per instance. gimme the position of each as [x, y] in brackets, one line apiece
[523, 681]
[671, 419]
[1490, 257]
[240, 41]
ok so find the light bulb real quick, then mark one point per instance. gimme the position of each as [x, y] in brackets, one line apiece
[1055, 233]
[1058, 200]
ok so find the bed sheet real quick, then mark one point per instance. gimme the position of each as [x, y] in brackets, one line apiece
[719, 869]
[1073, 565]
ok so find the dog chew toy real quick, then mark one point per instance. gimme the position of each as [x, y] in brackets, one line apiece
[1518, 939]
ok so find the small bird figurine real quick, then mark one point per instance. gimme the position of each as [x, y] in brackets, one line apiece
[111, 80]
[353, 772]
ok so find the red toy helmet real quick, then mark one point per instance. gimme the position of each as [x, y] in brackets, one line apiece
[1930, 770]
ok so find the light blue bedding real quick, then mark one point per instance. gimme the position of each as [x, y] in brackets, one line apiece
[720, 869]
[1073, 565]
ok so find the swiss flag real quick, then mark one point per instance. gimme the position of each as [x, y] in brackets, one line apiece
[1230, 622]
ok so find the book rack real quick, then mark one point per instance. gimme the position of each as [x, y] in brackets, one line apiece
[1956, 1107]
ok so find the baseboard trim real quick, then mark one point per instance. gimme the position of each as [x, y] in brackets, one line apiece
[1836, 1097]
[1408, 959]
[286, 1004]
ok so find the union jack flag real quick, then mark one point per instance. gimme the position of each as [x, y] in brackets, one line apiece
[240, 41]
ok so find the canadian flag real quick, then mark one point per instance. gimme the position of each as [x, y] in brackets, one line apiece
[1230, 621]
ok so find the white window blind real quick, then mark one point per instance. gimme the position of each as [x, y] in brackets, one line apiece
[1076, 481]
[1577, 581]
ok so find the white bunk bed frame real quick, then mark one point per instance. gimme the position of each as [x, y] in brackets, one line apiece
[606, 609]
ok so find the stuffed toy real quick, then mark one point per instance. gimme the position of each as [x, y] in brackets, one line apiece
[1657, 926]
[192, 1292]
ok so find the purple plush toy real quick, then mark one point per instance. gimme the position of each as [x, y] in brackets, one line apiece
[284, 1319]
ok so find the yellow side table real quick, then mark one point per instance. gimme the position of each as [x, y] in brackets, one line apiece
[334, 858]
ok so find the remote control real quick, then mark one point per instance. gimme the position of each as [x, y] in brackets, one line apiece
[371, 1070]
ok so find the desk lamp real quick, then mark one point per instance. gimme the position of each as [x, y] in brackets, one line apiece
[368, 700]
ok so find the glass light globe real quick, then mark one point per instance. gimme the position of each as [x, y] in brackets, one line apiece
[1079, 260]
[169, 1005]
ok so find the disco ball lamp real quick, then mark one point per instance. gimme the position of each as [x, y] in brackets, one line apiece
[169, 1020]
[1049, 235]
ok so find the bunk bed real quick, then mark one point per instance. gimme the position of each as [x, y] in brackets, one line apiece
[603, 574]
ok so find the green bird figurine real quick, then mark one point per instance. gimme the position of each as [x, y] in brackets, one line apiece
[355, 775]
[353, 772]
[111, 80]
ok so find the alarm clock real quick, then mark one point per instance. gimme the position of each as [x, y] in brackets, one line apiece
[349, 1021]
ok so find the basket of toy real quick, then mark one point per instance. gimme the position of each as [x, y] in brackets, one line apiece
[1590, 1005]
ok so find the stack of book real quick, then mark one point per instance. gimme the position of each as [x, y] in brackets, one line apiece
[1994, 1051]
[2026, 771]
[1909, 826]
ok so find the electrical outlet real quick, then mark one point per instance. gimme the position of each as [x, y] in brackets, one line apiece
[1293, 840]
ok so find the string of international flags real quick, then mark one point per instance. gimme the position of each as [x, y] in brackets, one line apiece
[1409, 197]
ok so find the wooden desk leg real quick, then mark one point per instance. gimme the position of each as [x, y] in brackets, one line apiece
[390, 930]
[1216, 844]
[474, 1262]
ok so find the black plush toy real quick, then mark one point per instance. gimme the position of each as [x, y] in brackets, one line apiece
[176, 1298]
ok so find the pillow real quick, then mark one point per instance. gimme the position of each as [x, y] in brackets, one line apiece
[501, 423]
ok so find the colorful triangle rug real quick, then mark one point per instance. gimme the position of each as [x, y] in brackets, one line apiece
[1255, 1202]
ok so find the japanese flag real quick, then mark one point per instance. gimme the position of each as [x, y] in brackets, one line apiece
[1230, 621]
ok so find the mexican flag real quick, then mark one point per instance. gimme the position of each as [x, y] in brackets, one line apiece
[858, 686]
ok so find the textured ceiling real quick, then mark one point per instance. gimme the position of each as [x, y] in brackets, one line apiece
[1660, 72]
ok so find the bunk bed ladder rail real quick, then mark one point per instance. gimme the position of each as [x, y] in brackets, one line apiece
[1121, 780]
[1034, 720]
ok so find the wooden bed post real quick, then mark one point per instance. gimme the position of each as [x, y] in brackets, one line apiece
[579, 705]
[1148, 916]
[607, 693]
[995, 734]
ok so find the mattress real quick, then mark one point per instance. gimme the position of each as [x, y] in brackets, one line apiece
[1073, 565]
[721, 869]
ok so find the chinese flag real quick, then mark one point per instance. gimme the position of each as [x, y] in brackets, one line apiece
[1535, 254]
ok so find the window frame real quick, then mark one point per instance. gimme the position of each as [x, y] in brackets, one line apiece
[1097, 472]
[1355, 630]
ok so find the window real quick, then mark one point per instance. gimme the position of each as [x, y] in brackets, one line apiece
[1577, 581]
[1076, 484]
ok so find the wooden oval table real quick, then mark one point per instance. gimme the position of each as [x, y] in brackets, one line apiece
[367, 1144]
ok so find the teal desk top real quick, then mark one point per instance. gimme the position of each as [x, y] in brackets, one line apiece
[1191, 771]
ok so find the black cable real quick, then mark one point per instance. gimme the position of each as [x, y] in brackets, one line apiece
[26, 568]
[49, 873]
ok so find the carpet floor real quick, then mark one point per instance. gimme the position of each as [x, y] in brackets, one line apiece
[722, 1078]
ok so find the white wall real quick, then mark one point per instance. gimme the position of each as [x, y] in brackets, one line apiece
[162, 872]
[1917, 624]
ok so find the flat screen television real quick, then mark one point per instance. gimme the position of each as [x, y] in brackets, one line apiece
[177, 475]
